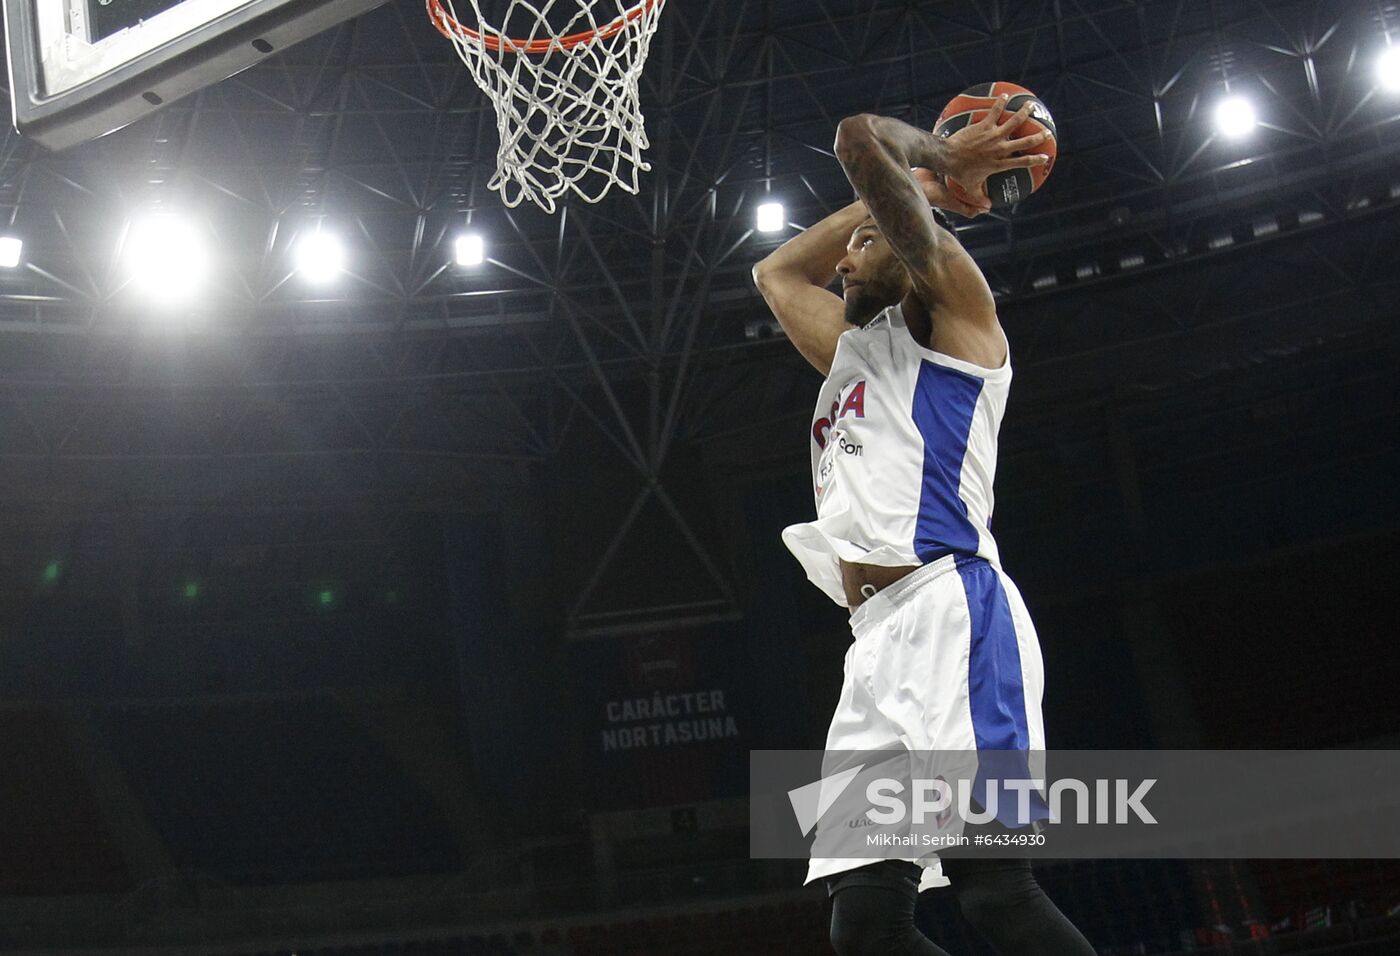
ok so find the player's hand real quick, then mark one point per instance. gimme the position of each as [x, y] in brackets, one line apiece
[938, 194]
[990, 146]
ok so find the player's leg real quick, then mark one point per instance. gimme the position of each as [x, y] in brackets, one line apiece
[857, 727]
[872, 901]
[1005, 904]
[872, 911]
[1001, 898]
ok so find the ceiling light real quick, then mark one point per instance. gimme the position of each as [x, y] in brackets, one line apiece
[771, 217]
[471, 250]
[1235, 117]
[167, 256]
[11, 251]
[320, 258]
[1388, 70]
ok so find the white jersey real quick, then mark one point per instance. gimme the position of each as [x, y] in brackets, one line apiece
[904, 451]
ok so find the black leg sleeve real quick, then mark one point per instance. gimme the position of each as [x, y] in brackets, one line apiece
[872, 912]
[1005, 904]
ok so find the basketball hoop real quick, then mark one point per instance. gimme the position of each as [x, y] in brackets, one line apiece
[567, 102]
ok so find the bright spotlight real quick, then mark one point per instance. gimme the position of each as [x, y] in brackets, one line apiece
[320, 258]
[167, 256]
[471, 250]
[11, 250]
[1388, 70]
[1235, 117]
[771, 217]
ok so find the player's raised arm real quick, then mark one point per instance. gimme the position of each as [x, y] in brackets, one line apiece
[878, 154]
[793, 281]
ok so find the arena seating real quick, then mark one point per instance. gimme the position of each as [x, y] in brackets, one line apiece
[797, 928]
[790, 929]
[277, 791]
[293, 790]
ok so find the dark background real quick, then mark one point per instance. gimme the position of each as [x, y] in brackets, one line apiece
[312, 601]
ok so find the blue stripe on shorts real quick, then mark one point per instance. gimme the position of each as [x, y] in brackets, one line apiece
[997, 697]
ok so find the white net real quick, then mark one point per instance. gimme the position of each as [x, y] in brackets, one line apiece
[567, 97]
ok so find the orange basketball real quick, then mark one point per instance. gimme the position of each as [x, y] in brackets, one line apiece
[969, 106]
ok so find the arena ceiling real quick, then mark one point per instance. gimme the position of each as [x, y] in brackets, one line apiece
[636, 318]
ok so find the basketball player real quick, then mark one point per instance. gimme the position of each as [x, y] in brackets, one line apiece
[903, 445]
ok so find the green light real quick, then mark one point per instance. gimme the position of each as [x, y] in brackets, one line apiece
[327, 598]
[192, 590]
[51, 572]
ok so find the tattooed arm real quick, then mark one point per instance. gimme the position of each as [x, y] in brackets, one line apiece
[878, 154]
[794, 278]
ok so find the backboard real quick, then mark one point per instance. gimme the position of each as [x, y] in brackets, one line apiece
[82, 68]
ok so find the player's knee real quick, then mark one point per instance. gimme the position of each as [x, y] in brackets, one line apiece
[845, 939]
[850, 940]
[982, 906]
[864, 929]
[852, 937]
[995, 906]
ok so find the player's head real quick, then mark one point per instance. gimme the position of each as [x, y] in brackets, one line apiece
[872, 277]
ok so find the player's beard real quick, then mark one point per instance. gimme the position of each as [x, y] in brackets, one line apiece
[862, 306]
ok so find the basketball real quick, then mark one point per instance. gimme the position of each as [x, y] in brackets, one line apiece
[1010, 187]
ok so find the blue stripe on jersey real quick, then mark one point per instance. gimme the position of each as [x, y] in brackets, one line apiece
[944, 402]
[996, 695]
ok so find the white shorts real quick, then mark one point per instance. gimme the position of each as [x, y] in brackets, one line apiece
[946, 658]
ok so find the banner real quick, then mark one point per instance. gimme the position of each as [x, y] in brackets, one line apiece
[663, 719]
